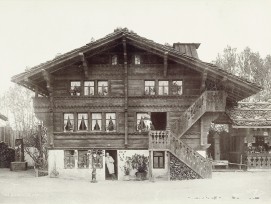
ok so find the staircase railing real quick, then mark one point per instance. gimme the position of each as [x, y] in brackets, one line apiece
[209, 101]
[168, 141]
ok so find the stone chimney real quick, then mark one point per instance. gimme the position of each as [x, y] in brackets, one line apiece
[190, 49]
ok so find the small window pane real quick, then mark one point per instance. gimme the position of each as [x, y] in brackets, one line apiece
[143, 121]
[137, 59]
[163, 87]
[96, 122]
[115, 60]
[82, 121]
[89, 88]
[83, 159]
[177, 87]
[110, 121]
[149, 87]
[68, 122]
[69, 159]
[75, 88]
[102, 88]
[158, 159]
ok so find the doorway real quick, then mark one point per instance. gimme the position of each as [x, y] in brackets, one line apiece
[114, 155]
[159, 120]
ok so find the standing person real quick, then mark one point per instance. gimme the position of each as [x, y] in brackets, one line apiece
[109, 161]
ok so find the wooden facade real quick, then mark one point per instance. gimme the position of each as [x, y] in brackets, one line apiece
[115, 79]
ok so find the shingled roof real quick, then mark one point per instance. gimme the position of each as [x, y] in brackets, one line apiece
[251, 115]
[244, 88]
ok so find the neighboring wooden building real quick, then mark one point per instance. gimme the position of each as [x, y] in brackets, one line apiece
[124, 95]
[6, 131]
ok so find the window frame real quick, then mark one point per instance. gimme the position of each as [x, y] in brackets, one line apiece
[73, 122]
[102, 86]
[73, 91]
[93, 121]
[87, 159]
[89, 87]
[71, 158]
[114, 60]
[172, 87]
[138, 121]
[137, 59]
[149, 88]
[114, 122]
[86, 122]
[163, 157]
[163, 88]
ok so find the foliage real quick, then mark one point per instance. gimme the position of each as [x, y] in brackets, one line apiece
[17, 105]
[139, 162]
[35, 146]
[250, 66]
[7, 155]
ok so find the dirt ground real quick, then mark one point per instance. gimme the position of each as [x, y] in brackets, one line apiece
[224, 187]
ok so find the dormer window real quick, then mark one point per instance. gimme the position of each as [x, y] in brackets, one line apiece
[114, 60]
[75, 88]
[137, 59]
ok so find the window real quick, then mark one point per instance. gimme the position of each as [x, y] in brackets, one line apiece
[143, 121]
[158, 160]
[110, 121]
[96, 122]
[149, 87]
[177, 87]
[89, 88]
[137, 59]
[75, 88]
[69, 159]
[82, 121]
[114, 60]
[68, 122]
[163, 88]
[83, 159]
[102, 88]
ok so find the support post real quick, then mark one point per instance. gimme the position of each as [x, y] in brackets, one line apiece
[125, 89]
[85, 64]
[165, 63]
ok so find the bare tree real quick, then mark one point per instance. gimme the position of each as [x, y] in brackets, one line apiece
[250, 66]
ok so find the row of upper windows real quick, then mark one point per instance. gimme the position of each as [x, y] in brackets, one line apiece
[143, 122]
[164, 88]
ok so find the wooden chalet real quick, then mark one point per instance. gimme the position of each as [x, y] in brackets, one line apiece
[125, 95]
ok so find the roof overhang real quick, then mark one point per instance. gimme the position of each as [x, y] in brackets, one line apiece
[240, 88]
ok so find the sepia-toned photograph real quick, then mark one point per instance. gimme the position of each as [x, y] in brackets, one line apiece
[135, 101]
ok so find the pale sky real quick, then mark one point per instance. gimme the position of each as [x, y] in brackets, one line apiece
[32, 32]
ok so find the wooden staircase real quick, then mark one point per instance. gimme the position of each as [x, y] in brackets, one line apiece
[166, 140]
[210, 102]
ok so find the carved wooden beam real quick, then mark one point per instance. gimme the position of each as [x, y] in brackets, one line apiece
[165, 63]
[225, 82]
[203, 81]
[49, 80]
[28, 83]
[85, 64]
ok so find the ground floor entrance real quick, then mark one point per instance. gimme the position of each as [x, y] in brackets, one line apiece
[114, 165]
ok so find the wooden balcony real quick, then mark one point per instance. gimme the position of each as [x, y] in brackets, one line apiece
[209, 101]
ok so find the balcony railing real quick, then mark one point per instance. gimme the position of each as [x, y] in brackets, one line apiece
[259, 161]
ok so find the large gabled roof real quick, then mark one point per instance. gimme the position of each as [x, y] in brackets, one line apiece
[241, 88]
